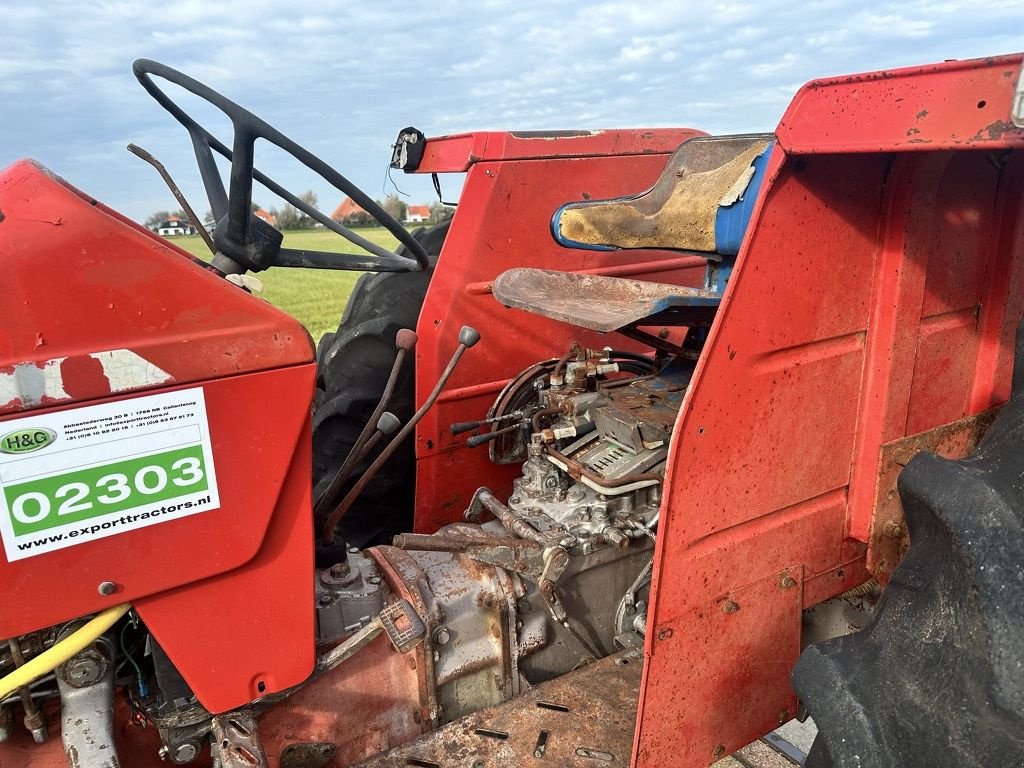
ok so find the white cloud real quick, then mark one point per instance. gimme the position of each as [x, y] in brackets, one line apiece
[342, 78]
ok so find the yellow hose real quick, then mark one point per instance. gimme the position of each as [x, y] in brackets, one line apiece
[49, 660]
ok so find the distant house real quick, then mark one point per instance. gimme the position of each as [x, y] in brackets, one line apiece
[417, 214]
[267, 216]
[175, 226]
[349, 212]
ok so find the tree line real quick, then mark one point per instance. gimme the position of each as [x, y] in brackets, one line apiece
[290, 217]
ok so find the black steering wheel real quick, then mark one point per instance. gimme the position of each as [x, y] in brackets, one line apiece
[245, 239]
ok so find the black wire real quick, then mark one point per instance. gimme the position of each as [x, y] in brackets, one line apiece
[388, 177]
[632, 356]
[437, 188]
[631, 367]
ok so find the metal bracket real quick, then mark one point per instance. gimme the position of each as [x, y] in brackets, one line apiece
[236, 741]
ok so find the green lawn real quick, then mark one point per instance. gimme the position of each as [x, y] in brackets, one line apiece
[316, 297]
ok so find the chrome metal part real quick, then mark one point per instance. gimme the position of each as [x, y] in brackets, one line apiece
[566, 722]
[235, 741]
[86, 685]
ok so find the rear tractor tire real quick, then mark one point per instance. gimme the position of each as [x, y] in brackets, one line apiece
[936, 679]
[352, 367]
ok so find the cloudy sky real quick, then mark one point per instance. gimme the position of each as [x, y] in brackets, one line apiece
[342, 77]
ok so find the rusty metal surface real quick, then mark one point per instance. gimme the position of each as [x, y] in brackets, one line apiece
[314, 754]
[585, 718]
[236, 741]
[679, 211]
[594, 302]
[889, 539]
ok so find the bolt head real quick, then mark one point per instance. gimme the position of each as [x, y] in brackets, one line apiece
[892, 529]
[107, 588]
[730, 606]
[442, 635]
[185, 752]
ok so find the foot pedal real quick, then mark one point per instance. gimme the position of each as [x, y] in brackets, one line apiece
[403, 625]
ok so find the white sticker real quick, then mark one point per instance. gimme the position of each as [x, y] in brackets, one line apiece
[103, 470]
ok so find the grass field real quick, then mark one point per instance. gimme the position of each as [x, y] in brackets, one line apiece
[316, 297]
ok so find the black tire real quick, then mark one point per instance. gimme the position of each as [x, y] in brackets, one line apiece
[936, 679]
[352, 367]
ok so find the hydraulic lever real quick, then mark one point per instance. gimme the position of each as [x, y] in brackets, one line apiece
[468, 337]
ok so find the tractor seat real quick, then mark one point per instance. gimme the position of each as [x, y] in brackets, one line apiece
[600, 303]
[701, 202]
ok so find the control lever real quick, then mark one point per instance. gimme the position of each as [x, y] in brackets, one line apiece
[476, 440]
[465, 426]
[468, 337]
[399, 620]
[405, 340]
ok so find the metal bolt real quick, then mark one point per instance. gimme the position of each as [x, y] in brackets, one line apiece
[442, 635]
[783, 717]
[325, 599]
[731, 606]
[665, 634]
[787, 582]
[340, 569]
[719, 751]
[107, 588]
[36, 725]
[185, 752]
[374, 579]
[892, 529]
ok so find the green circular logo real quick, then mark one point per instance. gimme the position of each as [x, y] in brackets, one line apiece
[27, 440]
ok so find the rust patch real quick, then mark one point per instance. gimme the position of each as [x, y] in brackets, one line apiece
[922, 114]
[587, 712]
[888, 540]
[998, 128]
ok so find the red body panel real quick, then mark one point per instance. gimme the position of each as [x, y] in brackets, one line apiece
[875, 297]
[503, 221]
[79, 280]
[459, 152]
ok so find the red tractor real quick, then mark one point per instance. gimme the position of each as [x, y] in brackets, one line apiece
[592, 476]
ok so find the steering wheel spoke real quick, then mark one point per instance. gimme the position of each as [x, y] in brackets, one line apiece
[241, 237]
